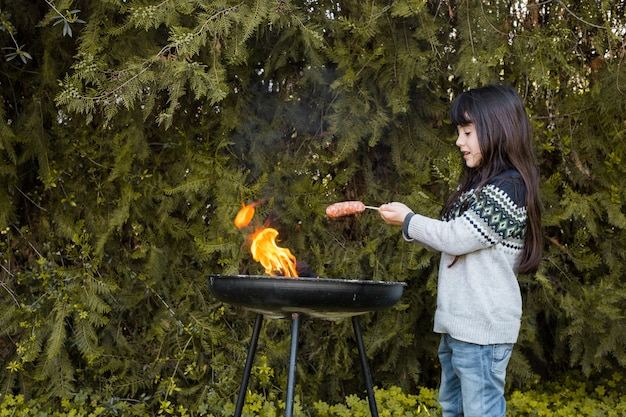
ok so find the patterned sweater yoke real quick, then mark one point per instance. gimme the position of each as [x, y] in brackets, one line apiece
[496, 213]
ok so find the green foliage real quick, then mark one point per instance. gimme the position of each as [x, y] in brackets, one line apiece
[572, 397]
[392, 402]
[83, 403]
[128, 148]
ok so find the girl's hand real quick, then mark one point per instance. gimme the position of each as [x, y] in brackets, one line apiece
[394, 213]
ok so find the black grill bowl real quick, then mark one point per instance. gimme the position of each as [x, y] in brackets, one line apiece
[323, 298]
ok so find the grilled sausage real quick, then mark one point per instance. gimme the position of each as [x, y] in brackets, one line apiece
[344, 208]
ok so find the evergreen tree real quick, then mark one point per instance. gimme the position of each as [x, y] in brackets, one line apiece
[132, 131]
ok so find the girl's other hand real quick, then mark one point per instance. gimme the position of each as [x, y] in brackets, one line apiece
[394, 213]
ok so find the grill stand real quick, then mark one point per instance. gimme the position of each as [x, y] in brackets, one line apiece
[291, 379]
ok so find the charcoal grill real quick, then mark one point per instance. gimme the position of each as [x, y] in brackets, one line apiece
[294, 298]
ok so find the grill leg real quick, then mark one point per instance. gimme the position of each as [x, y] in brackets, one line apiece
[248, 368]
[291, 378]
[366, 370]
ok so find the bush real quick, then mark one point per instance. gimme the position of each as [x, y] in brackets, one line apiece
[390, 403]
[572, 397]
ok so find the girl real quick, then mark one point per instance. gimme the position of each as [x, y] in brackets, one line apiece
[489, 232]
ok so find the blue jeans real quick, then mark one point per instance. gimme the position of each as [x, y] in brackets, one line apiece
[472, 378]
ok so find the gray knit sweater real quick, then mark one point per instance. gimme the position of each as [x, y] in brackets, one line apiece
[478, 297]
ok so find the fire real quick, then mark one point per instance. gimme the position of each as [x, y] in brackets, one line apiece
[274, 259]
[245, 215]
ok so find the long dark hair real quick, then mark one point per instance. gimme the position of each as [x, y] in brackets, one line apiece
[505, 140]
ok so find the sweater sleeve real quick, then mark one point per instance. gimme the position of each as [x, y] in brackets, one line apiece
[492, 218]
[452, 237]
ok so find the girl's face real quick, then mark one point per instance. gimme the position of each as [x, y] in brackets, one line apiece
[468, 144]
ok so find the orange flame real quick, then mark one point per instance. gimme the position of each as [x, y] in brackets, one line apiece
[245, 215]
[273, 258]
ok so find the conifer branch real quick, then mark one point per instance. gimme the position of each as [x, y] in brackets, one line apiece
[567, 9]
[161, 56]
[7, 289]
